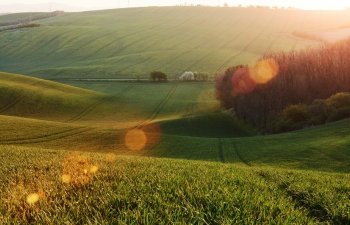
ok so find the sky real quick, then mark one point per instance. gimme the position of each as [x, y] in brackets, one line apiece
[79, 5]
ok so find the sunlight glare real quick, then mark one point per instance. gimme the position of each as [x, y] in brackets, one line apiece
[264, 71]
[135, 139]
[32, 198]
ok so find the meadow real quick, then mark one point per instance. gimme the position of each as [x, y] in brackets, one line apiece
[130, 43]
[55, 186]
[112, 151]
[79, 166]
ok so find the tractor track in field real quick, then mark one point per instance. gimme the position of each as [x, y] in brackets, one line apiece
[93, 106]
[302, 201]
[11, 104]
[221, 150]
[147, 47]
[49, 137]
[152, 36]
[85, 112]
[245, 47]
[15, 51]
[174, 59]
[239, 155]
[16, 101]
[157, 43]
[159, 107]
[128, 35]
[222, 46]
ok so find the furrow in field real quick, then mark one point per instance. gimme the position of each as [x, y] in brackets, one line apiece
[147, 47]
[159, 107]
[245, 48]
[225, 44]
[93, 106]
[43, 43]
[302, 201]
[11, 104]
[174, 59]
[221, 150]
[49, 137]
[16, 101]
[171, 38]
[155, 35]
[239, 155]
[15, 50]
[150, 30]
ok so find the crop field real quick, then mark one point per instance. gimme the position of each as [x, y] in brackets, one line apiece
[81, 168]
[86, 138]
[133, 42]
[180, 120]
[50, 186]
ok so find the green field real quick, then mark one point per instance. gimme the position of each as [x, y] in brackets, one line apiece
[104, 151]
[78, 165]
[133, 42]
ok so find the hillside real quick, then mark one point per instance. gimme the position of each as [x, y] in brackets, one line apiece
[133, 42]
[36, 98]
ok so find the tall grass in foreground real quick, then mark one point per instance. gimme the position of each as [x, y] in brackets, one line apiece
[48, 186]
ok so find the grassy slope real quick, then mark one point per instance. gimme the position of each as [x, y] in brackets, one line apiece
[251, 186]
[130, 42]
[172, 109]
[135, 190]
[36, 98]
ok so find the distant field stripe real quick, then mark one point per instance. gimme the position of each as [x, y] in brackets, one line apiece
[224, 44]
[42, 44]
[246, 46]
[151, 45]
[174, 59]
[49, 137]
[149, 29]
[172, 36]
[138, 41]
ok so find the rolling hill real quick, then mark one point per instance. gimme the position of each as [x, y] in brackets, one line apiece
[133, 42]
[36, 98]
[66, 159]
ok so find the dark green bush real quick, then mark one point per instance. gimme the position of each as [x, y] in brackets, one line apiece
[339, 114]
[339, 100]
[318, 112]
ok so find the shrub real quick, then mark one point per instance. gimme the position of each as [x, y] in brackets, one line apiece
[296, 113]
[158, 76]
[318, 112]
[339, 100]
[339, 114]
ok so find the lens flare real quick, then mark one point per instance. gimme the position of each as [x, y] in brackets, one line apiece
[78, 170]
[135, 139]
[153, 133]
[32, 198]
[264, 71]
[94, 169]
[66, 178]
[242, 81]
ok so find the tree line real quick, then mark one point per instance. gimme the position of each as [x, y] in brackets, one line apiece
[302, 77]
